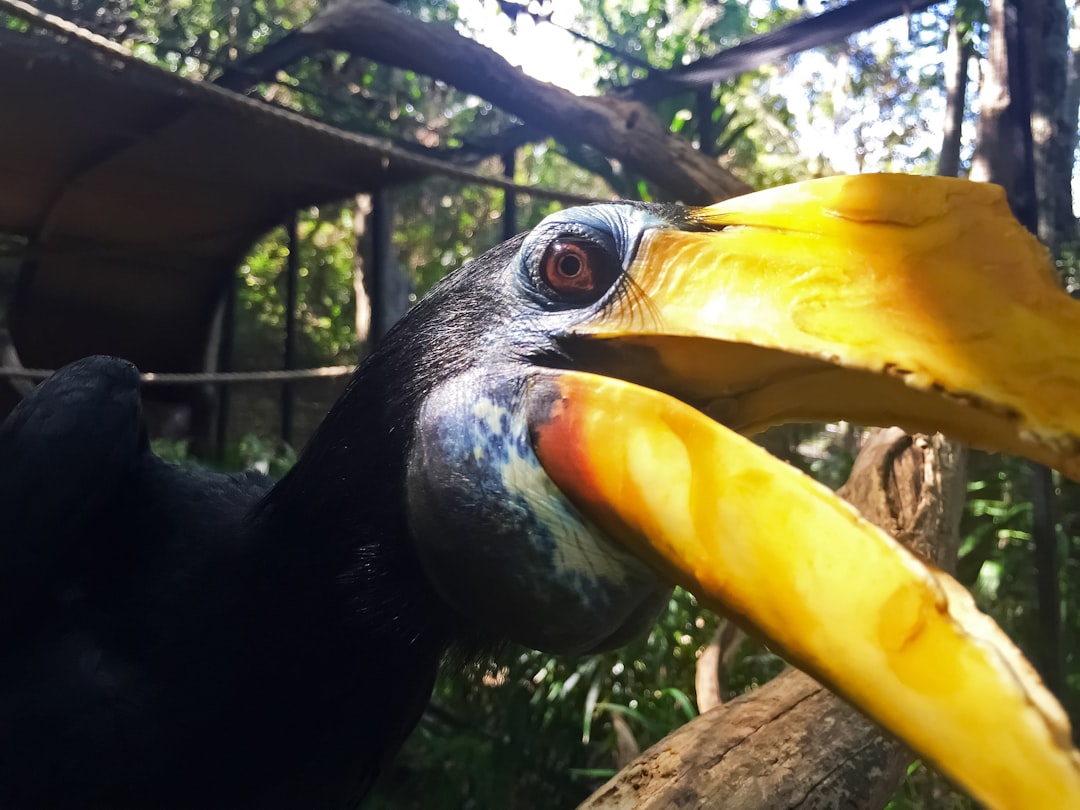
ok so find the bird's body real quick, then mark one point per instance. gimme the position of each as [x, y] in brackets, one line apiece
[182, 638]
[520, 460]
[176, 637]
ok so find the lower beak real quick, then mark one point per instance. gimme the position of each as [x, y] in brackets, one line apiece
[880, 299]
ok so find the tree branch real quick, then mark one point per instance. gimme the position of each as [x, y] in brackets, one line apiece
[624, 130]
[718, 654]
[830, 26]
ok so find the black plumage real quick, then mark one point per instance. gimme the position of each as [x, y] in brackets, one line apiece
[173, 637]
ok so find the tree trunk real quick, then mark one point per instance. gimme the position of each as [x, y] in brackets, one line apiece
[716, 657]
[1008, 153]
[991, 162]
[1053, 140]
[957, 58]
[1064, 224]
[792, 743]
[1052, 131]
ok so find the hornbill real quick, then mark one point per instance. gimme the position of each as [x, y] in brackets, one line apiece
[538, 452]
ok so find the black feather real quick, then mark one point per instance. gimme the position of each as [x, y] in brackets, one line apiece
[177, 638]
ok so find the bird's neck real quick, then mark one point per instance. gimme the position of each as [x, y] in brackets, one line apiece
[336, 527]
[342, 511]
[342, 535]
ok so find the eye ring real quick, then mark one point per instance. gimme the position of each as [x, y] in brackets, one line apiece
[577, 270]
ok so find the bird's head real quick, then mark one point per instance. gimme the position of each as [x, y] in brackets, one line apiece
[576, 440]
[491, 526]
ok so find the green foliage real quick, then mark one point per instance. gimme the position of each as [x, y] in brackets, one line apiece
[441, 224]
[748, 123]
[1069, 265]
[924, 789]
[249, 453]
[997, 561]
[13, 24]
[530, 730]
[875, 102]
[326, 305]
[663, 33]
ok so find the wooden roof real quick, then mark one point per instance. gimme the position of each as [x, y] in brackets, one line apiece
[140, 190]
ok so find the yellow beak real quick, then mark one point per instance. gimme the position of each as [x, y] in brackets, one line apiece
[880, 299]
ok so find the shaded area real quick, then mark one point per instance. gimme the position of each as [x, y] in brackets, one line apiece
[139, 192]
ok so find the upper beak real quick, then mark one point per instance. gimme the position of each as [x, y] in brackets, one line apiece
[881, 299]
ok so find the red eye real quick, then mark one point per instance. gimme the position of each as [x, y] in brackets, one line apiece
[577, 269]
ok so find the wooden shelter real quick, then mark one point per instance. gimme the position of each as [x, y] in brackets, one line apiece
[136, 192]
[139, 191]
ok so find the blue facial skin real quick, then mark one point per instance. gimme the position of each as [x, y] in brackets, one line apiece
[491, 529]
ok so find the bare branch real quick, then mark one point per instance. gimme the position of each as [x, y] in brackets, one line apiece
[715, 658]
[830, 26]
[624, 130]
[707, 674]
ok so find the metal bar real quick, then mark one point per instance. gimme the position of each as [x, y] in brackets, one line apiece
[225, 352]
[288, 360]
[384, 289]
[510, 201]
[202, 378]
[704, 114]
